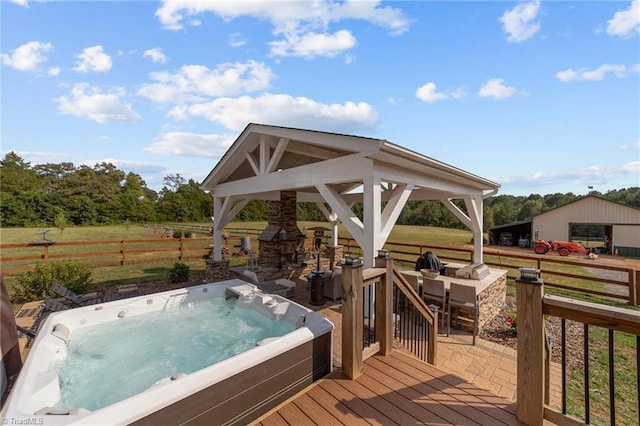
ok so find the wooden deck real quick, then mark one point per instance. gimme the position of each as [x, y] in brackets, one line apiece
[394, 390]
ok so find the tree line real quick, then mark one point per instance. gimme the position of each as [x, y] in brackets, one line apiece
[59, 194]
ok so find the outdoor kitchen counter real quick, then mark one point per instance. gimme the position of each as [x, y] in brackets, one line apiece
[491, 291]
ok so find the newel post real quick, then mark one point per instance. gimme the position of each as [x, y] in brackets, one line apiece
[384, 303]
[352, 314]
[531, 347]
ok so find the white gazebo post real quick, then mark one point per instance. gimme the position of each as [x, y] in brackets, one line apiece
[217, 231]
[474, 205]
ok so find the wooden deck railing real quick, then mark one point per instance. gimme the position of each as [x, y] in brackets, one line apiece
[378, 305]
[533, 353]
[416, 325]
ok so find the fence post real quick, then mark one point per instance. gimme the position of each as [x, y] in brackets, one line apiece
[45, 254]
[123, 250]
[352, 314]
[181, 248]
[635, 283]
[384, 303]
[531, 348]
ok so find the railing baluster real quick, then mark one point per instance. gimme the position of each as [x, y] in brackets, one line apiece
[587, 405]
[612, 386]
[395, 309]
[638, 373]
[373, 309]
[563, 324]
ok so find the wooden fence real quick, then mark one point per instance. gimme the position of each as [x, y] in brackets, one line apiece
[568, 276]
[16, 258]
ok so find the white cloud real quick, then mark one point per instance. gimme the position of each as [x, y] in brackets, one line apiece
[625, 23]
[284, 110]
[156, 55]
[135, 166]
[193, 82]
[28, 56]
[301, 22]
[191, 144]
[320, 12]
[429, 94]
[495, 88]
[458, 93]
[54, 71]
[520, 22]
[24, 3]
[635, 146]
[597, 74]
[236, 40]
[39, 157]
[93, 59]
[595, 174]
[89, 102]
[310, 44]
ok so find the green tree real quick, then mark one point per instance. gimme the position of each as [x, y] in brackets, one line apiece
[21, 198]
[530, 208]
[60, 220]
[505, 209]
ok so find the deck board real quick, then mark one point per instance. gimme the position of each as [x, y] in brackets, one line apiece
[478, 403]
[360, 407]
[293, 415]
[426, 401]
[340, 412]
[395, 390]
[450, 394]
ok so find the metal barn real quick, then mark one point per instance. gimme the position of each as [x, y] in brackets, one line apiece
[620, 224]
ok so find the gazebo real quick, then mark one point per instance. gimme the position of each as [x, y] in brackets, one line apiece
[335, 171]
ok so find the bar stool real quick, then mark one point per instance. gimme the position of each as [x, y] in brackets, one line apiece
[464, 296]
[434, 290]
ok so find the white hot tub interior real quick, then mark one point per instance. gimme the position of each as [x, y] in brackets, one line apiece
[180, 322]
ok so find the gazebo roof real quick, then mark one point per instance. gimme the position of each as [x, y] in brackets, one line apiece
[337, 170]
[301, 151]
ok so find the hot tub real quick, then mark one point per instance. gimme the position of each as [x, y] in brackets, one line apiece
[235, 390]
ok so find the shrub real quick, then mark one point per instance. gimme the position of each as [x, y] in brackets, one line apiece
[35, 285]
[177, 234]
[179, 273]
[188, 234]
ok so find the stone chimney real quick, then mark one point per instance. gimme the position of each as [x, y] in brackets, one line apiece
[277, 249]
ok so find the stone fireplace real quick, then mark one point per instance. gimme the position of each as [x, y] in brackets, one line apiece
[281, 244]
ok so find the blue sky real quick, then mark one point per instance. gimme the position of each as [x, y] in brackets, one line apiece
[540, 96]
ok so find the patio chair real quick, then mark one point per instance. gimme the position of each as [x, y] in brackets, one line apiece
[435, 291]
[333, 284]
[74, 298]
[52, 305]
[414, 278]
[463, 296]
[30, 333]
[282, 287]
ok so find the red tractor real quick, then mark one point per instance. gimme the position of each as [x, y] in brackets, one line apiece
[562, 247]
